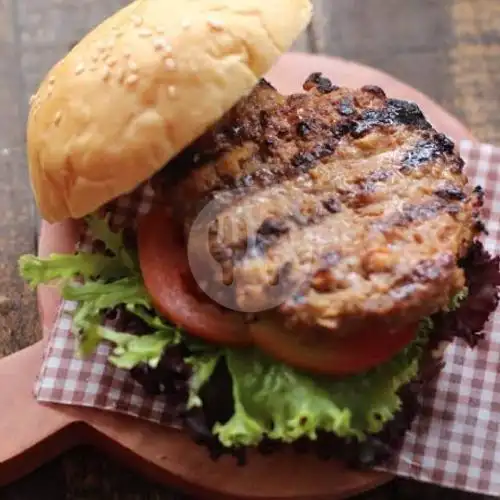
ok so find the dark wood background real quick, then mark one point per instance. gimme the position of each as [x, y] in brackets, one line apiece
[449, 49]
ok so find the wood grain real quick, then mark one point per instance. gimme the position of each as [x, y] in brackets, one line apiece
[34, 433]
[17, 305]
[447, 48]
[407, 39]
[475, 65]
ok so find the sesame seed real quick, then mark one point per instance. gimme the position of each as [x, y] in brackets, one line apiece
[52, 80]
[57, 118]
[131, 79]
[106, 73]
[132, 66]
[171, 90]
[94, 58]
[215, 24]
[145, 32]
[32, 99]
[186, 23]
[127, 53]
[112, 61]
[170, 64]
[136, 20]
[167, 50]
[79, 69]
[160, 29]
[159, 43]
[121, 75]
[100, 47]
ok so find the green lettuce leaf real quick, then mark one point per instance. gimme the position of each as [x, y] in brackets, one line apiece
[131, 350]
[457, 300]
[203, 366]
[270, 399]
[113, 240]
[149, 317]
[98, 283]
[105, 295]
[94, 298]
[279, 402]
[58, 269]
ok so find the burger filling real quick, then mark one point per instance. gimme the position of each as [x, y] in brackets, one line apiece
[352, 259]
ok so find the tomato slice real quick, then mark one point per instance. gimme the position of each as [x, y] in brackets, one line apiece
[167, 276]
[165, 268]
[341, 357]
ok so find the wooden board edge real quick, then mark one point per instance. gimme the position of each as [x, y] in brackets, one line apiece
[135, 441]
[32, 433]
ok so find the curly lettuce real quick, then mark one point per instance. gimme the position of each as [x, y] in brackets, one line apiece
[99, 283]
[275, 401]
[271, 400]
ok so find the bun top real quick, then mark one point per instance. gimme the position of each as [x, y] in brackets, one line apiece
[141, 87]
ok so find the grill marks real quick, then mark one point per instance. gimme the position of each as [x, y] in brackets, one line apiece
[426, 271]
[292, 214]
[413, 213]
[429, 149]
[323, 141]
[394, 113]
[346, 107]
[325, 169]
[269, 232]
[450, 192]
[301, 207]
[325, 200]
[291, 136]
[332, 205]
[299, 203]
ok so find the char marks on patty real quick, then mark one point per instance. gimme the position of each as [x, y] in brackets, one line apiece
[332, 171]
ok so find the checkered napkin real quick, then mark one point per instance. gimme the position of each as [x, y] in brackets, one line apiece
[455, 442]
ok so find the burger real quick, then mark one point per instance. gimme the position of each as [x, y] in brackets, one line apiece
[303, 259]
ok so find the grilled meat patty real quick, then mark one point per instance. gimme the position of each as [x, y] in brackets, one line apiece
[351, 197]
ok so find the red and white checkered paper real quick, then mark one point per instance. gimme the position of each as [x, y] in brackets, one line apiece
[456, 440]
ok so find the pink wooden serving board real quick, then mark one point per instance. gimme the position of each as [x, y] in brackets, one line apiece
[32, 433]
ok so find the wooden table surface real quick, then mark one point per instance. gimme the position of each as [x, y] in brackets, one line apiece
[449, 49]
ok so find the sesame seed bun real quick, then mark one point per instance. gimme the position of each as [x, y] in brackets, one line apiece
[141, 87]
